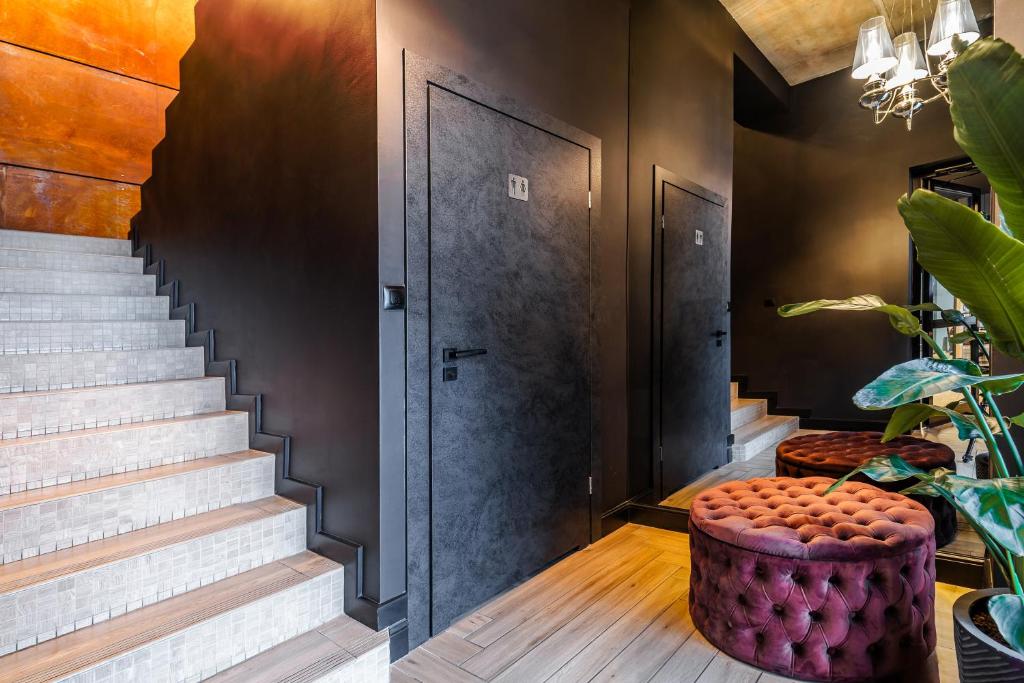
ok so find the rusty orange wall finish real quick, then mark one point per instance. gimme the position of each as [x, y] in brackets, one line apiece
[85, 84]
[144, 39]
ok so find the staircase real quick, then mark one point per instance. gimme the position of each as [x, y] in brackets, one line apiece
[754, 430]
[141, 537]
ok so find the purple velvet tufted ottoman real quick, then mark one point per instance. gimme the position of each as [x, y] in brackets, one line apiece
[837, 453]
[836, 587]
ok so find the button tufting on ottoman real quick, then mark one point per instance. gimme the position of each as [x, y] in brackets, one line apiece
[823, 587]
[838, 453]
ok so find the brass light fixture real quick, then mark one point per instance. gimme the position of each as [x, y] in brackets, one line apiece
[899, 79]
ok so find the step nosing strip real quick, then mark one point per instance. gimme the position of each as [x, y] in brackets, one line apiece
[315, 670]
[158, 632]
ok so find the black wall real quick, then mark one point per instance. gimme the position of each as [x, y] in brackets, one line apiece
[815, 217]
[262, 203]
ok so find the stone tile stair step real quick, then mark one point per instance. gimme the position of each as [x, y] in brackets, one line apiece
[764, 433]
[194, 635]
[68, 261]
[91, 307]
[49, 595]
[61, 370]
[734, 390]
[20, 337]
[746, 410]
[37, 281]
[53, 518]
[342, 650]
[47, 241]
[36, 461]
[33, 413]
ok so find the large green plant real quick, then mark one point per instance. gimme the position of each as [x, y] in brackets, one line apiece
[982, 264]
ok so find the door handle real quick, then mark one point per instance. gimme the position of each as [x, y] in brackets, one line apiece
[450, 355]
[720, 333]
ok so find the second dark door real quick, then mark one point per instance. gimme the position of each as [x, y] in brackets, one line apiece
[692, 300]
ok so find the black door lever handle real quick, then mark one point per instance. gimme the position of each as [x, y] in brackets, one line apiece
[450, 355]
[720, 333]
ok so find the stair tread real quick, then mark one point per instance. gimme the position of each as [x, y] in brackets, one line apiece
[86, 486]
[83, 433]
[308, 656]
[117, 247]
[64, 655]
[761, 426]
[50, 566]
[738, 403]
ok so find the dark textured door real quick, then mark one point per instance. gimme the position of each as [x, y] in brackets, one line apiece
[694, 353]
[510, 435]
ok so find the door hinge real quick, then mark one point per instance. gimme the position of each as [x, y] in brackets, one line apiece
[590, 485]
[590, 200]
[662, 221]
[661, 454]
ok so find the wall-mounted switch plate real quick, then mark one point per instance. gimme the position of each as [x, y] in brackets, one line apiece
[394, 297]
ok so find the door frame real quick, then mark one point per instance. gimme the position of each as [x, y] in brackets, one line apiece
[663, 177]
[420, 75]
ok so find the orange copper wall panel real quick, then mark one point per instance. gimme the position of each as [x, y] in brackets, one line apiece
[141, 38]
[55, 202]
[63, 116]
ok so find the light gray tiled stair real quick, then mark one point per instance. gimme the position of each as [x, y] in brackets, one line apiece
[46, 371]
[68, 261]
[57, 517]
[340, 651]
[95, 307]
[37, 461]
[193, 636]
[48, 412]
[756, 436]
[61, 282]
[50, 595]
[746, 410]
[45, 241]
[46, 337]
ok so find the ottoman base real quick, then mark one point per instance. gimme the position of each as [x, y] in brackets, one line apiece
[815, 620]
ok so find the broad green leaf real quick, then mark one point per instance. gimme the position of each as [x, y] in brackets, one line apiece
[1018, 420]
[1008, 612]
[917, 379]
[883, 468]
[906, 417]
[954, 316]
[997, 505]
[900, 317]
[974, 260]
[986, 85]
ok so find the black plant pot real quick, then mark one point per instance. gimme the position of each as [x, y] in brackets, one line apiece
[980, 658]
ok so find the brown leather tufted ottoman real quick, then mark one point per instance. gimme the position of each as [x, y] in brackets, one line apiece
[837, 587]
[838, 453]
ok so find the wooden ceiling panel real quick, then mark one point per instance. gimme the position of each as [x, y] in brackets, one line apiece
[805, 39]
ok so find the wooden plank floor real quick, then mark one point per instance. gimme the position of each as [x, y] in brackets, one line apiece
[615, 611]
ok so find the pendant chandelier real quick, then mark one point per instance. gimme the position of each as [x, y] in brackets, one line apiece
[899, 78]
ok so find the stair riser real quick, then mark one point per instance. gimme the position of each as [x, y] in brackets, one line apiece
[747, 414]
[767, 440]
[59, 282]
[202, 650]
[734, 391]
[64, 337]
[369, 667]
[94, 454]
[72, 307]
[49, 413]
[20, 239]
[35, 529]
[68, 262]
[45, 371]
[44, 611]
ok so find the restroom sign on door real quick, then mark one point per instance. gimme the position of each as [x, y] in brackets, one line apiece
[518, 187]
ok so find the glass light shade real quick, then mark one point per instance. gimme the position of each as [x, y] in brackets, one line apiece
[911, 65]
[952, 18]
[875, 52]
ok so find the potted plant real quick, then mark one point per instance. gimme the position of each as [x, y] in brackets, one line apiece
[982, 264]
